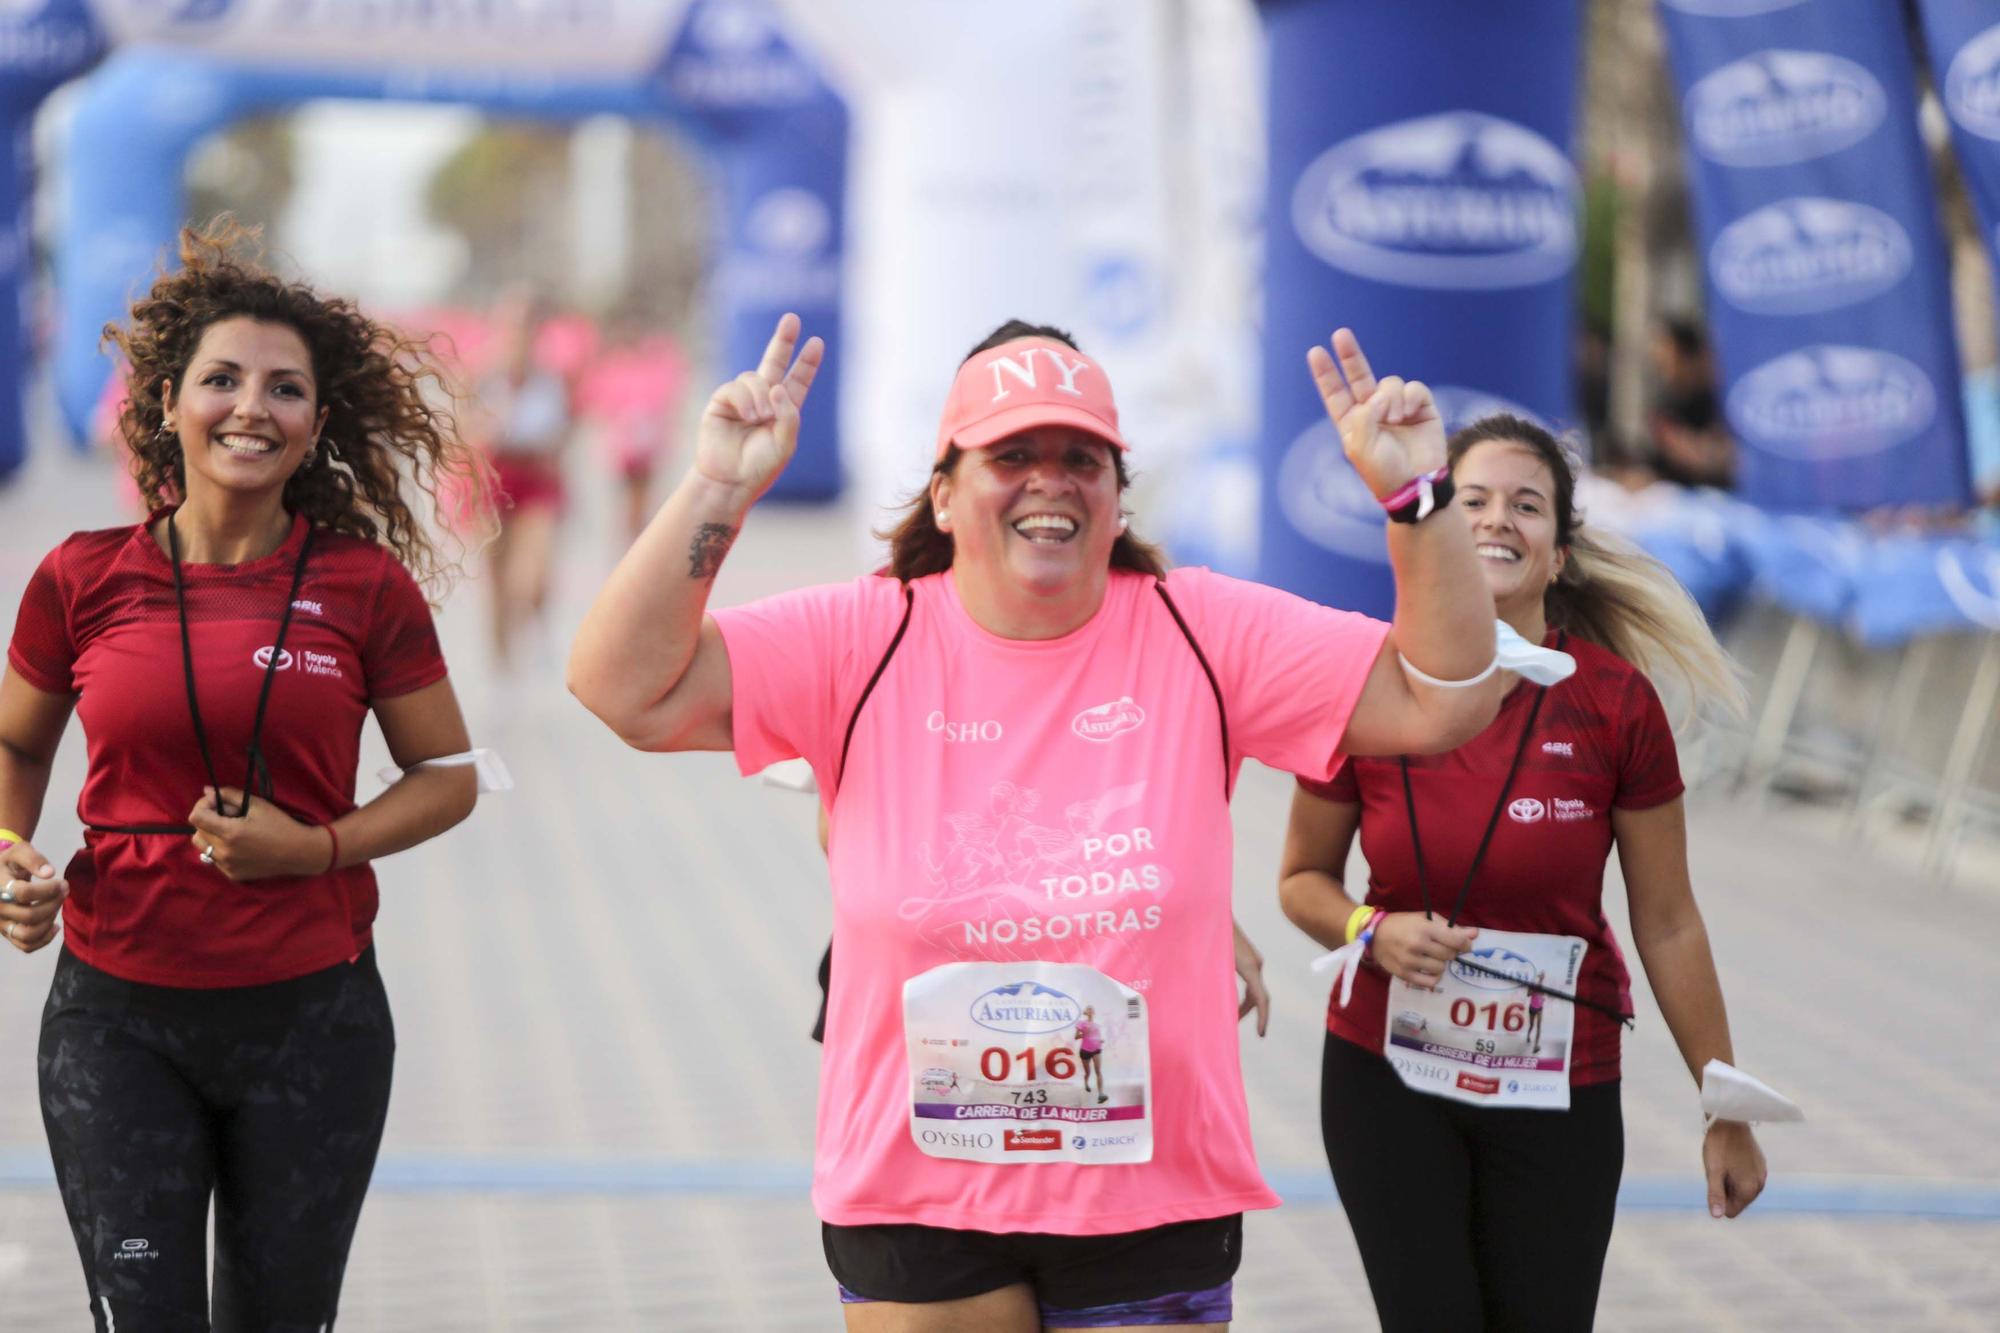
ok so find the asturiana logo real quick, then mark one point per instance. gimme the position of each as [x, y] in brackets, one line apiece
[1517, 968]
[1774, 108]
[1972, 85]
[1025, 1008]
[1459, 406]
[1828, 401]
[1804, 255]
[1728, 9]
[1108, 721]
[1455, 200]
[1325, 500]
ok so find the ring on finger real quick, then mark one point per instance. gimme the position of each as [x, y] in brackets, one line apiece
[208, 855]
[10, 930]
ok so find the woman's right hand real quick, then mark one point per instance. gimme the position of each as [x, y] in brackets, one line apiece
[1415, 948]
[37, 897]
[751, 424]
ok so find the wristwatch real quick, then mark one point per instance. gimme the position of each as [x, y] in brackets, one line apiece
[1420, 497]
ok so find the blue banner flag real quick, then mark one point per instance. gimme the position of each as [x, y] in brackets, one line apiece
[1964, 41]
[1421, 193]
[1828, 291]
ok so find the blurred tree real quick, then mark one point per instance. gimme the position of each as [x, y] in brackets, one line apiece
[503, 191]
[245, 169]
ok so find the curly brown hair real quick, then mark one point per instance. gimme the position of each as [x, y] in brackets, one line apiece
[386, 395]
[917, 546]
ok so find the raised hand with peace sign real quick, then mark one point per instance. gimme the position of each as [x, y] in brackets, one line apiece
[1390, 428]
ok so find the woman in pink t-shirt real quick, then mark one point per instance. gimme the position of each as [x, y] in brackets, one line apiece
[1470, 1114]
[1024, 738]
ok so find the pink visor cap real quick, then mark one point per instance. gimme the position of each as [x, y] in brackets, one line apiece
[1023, 385]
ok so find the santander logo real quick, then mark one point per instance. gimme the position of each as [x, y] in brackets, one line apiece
[1108, 721]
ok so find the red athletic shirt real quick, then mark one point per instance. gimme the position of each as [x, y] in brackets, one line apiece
[1601, 741]
[97, 621]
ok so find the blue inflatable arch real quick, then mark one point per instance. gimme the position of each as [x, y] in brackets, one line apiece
[774, 134]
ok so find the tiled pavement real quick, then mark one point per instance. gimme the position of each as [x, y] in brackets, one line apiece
[603, 1104]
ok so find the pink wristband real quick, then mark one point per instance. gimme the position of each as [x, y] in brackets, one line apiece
[1367, 935]
[1408, 491]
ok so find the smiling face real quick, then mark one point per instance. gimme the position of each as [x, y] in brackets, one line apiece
[1508, 497]
[247, 409]
[1036, 512]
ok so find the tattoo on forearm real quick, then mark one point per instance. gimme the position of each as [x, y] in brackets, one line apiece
[711, 542]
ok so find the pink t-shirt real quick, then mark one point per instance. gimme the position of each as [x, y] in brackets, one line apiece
[1060, 800]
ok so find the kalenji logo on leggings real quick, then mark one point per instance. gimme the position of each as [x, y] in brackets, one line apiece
[1032, 1140]
[136, 1248]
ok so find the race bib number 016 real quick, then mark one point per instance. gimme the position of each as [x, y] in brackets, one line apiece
[1487, 1039]
[1021, 1063]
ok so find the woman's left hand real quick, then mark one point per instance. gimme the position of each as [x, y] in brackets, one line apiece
[1735, 1166]
[1250, 966]
[261, 843]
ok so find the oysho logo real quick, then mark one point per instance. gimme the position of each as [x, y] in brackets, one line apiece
[1807, 254]
[1456, 200]
[1828, 401]
[962, 733]
[1025, 1008]
[1106, 722]
[1525, 810]
[262, 657]
[1325, 500]
[1972, 85]
[954, 1138]
[1774, 108]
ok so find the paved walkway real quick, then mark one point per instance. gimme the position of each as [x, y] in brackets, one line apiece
[603, 1107]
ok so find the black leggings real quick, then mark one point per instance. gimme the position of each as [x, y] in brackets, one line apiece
[270, 1098]
[1471, 1218]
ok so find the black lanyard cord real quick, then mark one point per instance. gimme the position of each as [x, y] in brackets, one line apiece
[1417, 843]
[258, 776]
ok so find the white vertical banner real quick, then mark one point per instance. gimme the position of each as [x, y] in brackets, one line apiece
[1011, 158]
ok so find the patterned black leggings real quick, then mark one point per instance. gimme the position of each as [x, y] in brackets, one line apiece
[269, 1098]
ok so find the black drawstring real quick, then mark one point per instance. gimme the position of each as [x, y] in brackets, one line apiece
[257, 777]
[1492, 822]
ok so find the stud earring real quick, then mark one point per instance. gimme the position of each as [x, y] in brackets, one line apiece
[943, 520]
[1123, 522]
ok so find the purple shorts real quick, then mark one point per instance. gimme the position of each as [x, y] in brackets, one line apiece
[1211, 1306]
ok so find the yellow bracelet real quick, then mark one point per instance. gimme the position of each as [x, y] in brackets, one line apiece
[1358, 918]
[10, 837]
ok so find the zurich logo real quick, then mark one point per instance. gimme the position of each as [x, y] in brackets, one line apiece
[1460, 406]
[1325, 500]
[1778, 107]
[1828, 401]
[1807, 254]
[262, 657]
[1728, 9]
[1456, 200]
[1517, 968]
[1526, 810]
[791, 222]
[1025, 1008]
[1077, 1142]
[1972, 85]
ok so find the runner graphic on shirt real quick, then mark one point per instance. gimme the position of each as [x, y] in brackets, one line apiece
[1090, 1051]
[1006, 888]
